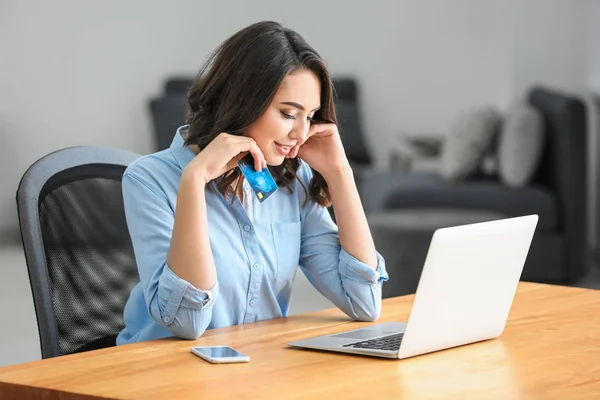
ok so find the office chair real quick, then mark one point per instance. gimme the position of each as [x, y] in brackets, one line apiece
[167, 111]
[77, 247]
[350, 123]
[168, 114]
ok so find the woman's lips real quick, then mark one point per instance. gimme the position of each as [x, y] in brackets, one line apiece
[283, 150]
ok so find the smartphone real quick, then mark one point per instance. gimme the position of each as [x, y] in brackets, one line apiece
[219, 354]
[262, 181]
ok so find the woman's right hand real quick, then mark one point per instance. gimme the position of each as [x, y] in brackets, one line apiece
[223, 154]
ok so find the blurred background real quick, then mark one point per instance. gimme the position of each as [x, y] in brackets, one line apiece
[452, 112]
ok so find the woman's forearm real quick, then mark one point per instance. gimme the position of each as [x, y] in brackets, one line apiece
[354, 232]
[190, 255]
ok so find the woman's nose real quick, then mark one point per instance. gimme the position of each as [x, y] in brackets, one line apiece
[300, 131]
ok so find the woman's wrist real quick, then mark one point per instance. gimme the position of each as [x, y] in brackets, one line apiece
[334, 175]
[195, 177]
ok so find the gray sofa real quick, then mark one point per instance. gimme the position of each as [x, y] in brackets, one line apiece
[405, 208]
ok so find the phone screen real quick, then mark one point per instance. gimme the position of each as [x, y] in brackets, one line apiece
[219, 352]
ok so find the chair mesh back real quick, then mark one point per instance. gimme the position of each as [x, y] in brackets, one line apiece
[88, 250]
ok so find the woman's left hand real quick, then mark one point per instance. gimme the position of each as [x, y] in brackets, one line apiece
[323, 149]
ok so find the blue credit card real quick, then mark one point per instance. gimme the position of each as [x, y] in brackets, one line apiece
[262, 182]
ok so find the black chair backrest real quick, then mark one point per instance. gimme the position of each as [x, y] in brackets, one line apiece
[168, 113]
[563, 167]
[77, 246]
[349, 121]
[178, 85]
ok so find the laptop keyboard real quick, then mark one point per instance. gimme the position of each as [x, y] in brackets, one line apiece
[391, 342]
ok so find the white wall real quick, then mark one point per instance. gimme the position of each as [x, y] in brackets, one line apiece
[557, 43]
[549, 45]
[592, 97]
[593, 45]
[79, 73]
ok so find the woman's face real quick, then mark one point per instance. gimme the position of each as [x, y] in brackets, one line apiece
[287, 119]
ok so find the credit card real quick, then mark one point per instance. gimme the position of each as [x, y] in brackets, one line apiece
[262, 182]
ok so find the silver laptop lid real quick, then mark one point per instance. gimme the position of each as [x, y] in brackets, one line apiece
[468, 284]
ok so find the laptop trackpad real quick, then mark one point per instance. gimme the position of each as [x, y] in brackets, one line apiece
[363, 334]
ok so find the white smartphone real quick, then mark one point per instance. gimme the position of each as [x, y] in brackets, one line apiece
[219, 354]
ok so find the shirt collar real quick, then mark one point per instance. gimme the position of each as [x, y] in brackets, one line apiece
[183, 154]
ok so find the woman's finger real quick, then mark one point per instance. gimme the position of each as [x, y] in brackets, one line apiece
[315, 128]
[294, 151]
[245, 145]
[259, 159]
[234, 161]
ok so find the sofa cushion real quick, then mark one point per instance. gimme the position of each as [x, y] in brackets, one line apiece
[470, 139]
[520, 145]
[427, 190]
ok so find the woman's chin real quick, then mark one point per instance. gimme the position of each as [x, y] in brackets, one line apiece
[275, 161]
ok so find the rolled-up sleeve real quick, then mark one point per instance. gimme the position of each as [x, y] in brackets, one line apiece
[183, 309]
[360, 272]
[350, 284]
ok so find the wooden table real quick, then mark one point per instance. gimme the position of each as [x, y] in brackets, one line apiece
[550, 349]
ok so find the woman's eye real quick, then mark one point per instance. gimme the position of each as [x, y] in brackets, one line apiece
[288, 116]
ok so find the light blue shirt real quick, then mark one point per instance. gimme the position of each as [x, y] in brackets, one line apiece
[256, 258]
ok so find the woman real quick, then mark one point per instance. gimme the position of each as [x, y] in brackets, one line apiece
[209, 253]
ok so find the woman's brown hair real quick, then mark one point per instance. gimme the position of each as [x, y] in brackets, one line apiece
[237, 84]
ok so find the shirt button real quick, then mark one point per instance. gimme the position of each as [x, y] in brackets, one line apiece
[247, 228]
[376, 277]
[166, 320]
[255, 266]
[251, 302]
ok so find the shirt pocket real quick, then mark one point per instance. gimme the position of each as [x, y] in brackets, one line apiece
[286, 240]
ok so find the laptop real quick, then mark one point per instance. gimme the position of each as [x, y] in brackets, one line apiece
[464, 295]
